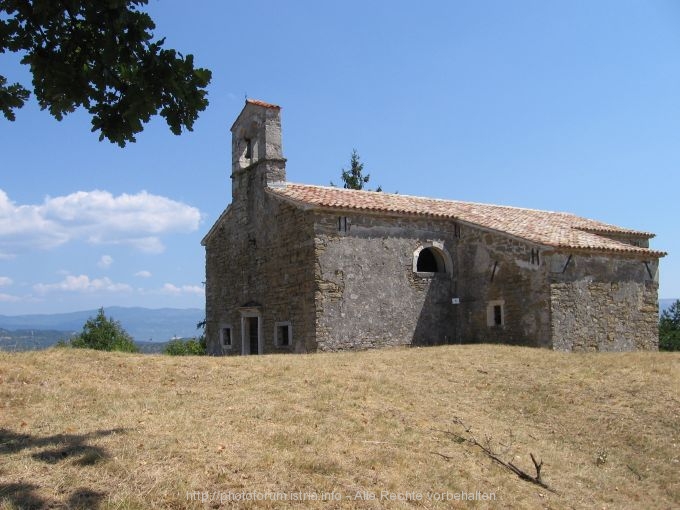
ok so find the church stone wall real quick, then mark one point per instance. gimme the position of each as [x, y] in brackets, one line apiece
[597, 316]
[348, 282]
[560, 300]
[367, 292]
[497, 270]
[368, 295]
[603, 303]
[261, 257]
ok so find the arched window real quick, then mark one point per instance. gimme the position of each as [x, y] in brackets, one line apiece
[427, 262]
[431, 259]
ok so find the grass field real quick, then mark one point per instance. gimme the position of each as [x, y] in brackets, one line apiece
[86, 429]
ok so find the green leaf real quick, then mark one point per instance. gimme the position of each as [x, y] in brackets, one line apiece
[100, 55]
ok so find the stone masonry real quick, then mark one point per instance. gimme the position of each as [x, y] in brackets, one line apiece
[298, 268]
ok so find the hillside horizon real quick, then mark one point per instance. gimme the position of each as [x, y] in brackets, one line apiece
[143, 324]
[149, 327]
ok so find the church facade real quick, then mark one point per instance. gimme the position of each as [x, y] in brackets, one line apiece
[301, 268]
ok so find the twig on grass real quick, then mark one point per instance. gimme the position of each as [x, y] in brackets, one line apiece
[447, 457]
[492, 455]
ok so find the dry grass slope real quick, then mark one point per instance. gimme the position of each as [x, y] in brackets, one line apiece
[85, 429]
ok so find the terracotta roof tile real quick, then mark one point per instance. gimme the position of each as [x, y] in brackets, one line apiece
[556, 229]
[262, 103]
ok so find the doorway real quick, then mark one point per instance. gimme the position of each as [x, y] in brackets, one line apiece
[251, 332]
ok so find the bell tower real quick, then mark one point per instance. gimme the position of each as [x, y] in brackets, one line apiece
[256, 153]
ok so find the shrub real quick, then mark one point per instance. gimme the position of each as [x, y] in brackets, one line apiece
[191, 347]
[103, 334]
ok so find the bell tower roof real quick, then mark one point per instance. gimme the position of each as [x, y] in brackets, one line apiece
[256, 151]
[254, 102]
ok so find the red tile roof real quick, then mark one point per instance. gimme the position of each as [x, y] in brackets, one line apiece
[262, 103]
[555, 229]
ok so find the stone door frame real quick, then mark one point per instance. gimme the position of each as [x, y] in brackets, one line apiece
[246, 313]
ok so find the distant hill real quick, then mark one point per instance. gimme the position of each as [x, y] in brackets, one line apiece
[30, 339]
[143, 324]
[37, 339]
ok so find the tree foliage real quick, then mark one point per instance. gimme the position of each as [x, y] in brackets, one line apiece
[99, 55]
[190, 347]
[103, 334]
[354, 177]
[669, 328]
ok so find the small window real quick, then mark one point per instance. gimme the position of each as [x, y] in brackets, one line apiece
[495, 314]
[225, 336]
[249, 148]
[456, 230]
[343, 224]
[283, 334]
[535, 257]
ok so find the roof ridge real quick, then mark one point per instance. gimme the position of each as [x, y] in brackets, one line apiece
[614, 228]
[550, 228]
[449, 200]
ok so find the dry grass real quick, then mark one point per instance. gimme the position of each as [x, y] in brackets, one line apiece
[85, 429]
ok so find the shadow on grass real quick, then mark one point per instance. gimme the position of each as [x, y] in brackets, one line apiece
[55, 449]
[23, 496]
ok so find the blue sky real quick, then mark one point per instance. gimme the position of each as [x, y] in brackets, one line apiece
[562, 105]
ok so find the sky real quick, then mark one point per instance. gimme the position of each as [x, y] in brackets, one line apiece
[563, 105]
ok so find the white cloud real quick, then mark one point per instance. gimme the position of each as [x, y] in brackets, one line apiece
[105, 261]
[143, 274]
[169, 288]
[82, 283]
[174, 290]
[96, 217]
[24, 225]
[5, 281]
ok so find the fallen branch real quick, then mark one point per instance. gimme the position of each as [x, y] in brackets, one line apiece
[508, 465]
[519, 472]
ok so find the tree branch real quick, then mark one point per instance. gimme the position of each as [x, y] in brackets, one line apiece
[493, 456]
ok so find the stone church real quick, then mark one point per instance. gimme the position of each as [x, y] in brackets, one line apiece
[301, 268]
